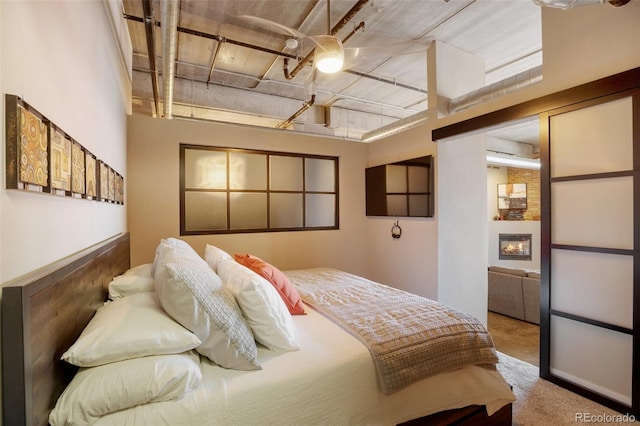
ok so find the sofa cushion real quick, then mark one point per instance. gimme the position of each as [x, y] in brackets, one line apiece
[510, 271]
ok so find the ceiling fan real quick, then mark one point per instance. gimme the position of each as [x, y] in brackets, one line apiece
[329, 54]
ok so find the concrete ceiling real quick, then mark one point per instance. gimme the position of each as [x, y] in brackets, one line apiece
[229, 69]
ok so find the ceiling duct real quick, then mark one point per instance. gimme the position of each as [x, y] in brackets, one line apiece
[568, 4]
[149, 27]
[169, 29]
[398, 126]
[492, 91]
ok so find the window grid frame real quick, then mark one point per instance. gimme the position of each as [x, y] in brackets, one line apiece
[268, 191]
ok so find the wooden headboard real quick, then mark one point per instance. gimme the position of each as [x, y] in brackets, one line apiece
[43, 313]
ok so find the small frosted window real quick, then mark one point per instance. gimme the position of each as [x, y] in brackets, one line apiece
[320, 175]
[205, 211]
[418, 205]
[248, 211]
[286, 211]
[205, 169]
[397, 205]
[418, 179]
[247, 171]
[320, 210]
[285, 173]
[396, 178]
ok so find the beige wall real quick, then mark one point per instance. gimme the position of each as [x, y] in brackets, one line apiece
[153, 194]
[410, 262]
[63, 58]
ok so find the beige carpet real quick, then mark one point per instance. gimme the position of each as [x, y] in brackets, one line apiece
[539, 402]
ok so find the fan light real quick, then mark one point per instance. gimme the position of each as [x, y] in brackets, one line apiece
[329, 54]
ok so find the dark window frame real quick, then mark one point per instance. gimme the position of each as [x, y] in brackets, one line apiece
[228, 191]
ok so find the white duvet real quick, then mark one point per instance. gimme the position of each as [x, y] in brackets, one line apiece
[331, 380]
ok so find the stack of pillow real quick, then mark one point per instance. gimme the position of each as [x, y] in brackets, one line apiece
[143, 345]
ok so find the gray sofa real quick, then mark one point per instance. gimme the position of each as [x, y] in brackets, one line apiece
[515, 293]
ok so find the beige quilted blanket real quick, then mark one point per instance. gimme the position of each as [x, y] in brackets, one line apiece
[410, 337]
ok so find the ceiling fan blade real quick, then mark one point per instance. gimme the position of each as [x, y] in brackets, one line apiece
[272, 26]
[354, 56]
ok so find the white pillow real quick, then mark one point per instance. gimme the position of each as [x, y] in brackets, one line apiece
[213, 255]
[143, 270]
[97, 391]
[126, 285]
[131, 327]
[193, 295]
[171, 245]
[261, 305]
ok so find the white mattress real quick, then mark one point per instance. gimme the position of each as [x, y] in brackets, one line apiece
[330, 380]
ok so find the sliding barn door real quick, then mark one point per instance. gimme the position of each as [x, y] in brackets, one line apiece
[590, 330]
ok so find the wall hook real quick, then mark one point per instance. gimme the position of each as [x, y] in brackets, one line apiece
[396, 231]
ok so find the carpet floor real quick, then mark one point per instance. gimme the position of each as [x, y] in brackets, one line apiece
[539, 402]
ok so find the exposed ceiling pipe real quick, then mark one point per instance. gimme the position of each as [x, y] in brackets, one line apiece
[149, 28]
[284, 124]
[273, 52]
[396, 127]
[169, 18]
[345, 19]
[214, 60]
[492, 91]
[484, 94]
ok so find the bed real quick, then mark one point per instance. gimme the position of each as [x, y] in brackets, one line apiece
[329, 377]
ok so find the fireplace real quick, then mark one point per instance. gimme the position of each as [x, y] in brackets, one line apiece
[514, 246]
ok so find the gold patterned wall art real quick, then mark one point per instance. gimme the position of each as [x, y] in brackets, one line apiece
[42, 157]
[77, 169]
[104, 181]
[112, 185]
[60, 163]
[90, 175]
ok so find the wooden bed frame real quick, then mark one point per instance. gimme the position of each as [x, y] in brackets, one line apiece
[44, 312]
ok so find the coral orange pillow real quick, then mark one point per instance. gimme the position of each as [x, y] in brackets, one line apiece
[285, 289]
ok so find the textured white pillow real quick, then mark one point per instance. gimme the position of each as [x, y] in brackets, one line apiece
[261, 305]
[126, 285]
[143, 270]
[193, 295]
[213, 255]
[131, 327]
[97, 391]
[170, 245]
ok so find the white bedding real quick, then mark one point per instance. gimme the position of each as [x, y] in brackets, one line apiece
[330, 380]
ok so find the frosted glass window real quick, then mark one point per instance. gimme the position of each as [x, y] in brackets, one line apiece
[597, 139]
[286, 210]
[397, 205]
[286, 173]
[418, 205]
[602, 283]
[579, 350]
[397, 179]
[320, 175]
[320, 210]
[205, 211]
[226, 190]
[418, 179]
[594, 212]
[205, 169]
[248, 210]
[247, 171]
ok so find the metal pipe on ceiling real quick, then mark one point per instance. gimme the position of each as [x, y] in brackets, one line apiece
[273, 52]
[492, 91]
[284, 124]
[345, 19]
[149, 28]
[169, 16]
